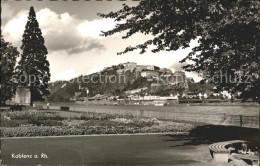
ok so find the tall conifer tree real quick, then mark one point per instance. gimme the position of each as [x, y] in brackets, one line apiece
[34, 63]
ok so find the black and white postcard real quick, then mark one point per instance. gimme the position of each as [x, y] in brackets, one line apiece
[134, 82]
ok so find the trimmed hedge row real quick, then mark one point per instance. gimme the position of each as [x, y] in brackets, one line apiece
[88, 130]
[33, 123]
[102, 116]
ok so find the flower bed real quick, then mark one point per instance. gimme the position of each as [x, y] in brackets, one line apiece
[26, 124]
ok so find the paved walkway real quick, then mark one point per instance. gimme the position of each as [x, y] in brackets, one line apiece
[107, 150]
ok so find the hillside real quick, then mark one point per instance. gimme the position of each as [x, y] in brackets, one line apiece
[97, 83]
[55, 86]
[115, 81]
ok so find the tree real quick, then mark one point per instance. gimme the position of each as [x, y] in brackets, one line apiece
[33, 61]
[8, 61]
[228, 33]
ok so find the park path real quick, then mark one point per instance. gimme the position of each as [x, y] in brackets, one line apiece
[107, 150]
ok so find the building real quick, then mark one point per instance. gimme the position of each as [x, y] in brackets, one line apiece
[165, 71]
[130, 65]
[97, 97]
[130, 92]
[120, 71]
[160, 97]
[133, 97]
[166, 75]
[140, 68]
[151, 67]
[192, 95]
[149, 74]
[169, 79]
[179, 76]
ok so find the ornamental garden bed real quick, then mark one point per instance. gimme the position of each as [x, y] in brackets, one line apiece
[35, 123]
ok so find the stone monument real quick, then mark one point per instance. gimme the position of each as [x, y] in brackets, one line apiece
[23, 93]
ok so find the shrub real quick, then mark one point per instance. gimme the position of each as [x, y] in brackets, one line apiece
[100, 123]
[70, 123]
[137, 122]
[27, 131]
[16, 108]
[15, 119]
[33, 115]
[14, 123]
[47, 122]
[102, 116]
[33, 123]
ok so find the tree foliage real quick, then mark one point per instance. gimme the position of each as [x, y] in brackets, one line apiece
[228, 33]
[34, 63]
[8, 61]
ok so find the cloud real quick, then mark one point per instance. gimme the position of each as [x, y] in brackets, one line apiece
[7, 12]
[60, 31]
[65, 75]
[92, 45]
[95, 69]
[94, 28]
[65, 35]
[178, 66]
[13, 29]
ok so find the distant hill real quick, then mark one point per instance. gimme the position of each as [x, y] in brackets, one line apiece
[55, 86]
[105, 82]
[115, 81]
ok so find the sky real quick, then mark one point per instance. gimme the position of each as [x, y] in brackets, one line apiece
[72, 36]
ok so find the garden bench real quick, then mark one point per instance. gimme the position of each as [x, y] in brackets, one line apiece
[64, 108]
[246, 160]
[220, 151]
